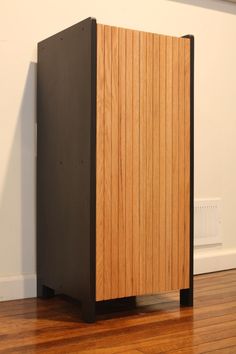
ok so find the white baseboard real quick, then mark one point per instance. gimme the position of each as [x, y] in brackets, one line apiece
[17, 287]
[214, 260]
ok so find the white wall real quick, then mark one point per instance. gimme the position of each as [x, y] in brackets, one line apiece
[24, 23]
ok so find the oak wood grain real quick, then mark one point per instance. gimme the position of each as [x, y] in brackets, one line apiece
[115, 166]
[100, 182]
[128, 160]
[156, 164]
[136, 161]
[143, 160]
[143, 163]
[107, 240]
[122, 164]
[162, 176]
[175, 166]
[149, 164]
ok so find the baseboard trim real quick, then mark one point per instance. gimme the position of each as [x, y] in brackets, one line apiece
[17, 287]
[208, 261]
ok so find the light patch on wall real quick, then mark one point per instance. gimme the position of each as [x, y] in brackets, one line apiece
[207, 222]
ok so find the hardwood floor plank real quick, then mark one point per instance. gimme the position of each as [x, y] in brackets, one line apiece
[225, 350]
[220, 345]
[184, 344]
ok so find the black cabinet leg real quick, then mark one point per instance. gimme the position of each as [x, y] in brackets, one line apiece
[88, 311]
[43, 291]
[186, 297]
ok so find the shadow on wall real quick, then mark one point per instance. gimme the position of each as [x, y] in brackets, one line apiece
[216, 5]
[27, 120]
[17, 204]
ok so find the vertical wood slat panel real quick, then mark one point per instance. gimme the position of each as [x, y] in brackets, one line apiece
[135, 163]
[156, 163]
[149, 164]
[108, 166]
[122, 163]
[128, 159]
[100, 186]
[115, 163]
[143, 160]
[175, 167]
[162, 235]
[168, 151]
[142, 163]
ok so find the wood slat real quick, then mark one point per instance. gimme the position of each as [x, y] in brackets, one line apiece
[175, 166]
[143, 163]
[122, 164]
[143, 160]
[149, 157]
[115, 163]
[135, 161]
[107, 165]
[156, 164]
[100, 185]
[128, 160]
[162, 176]
[168, 156]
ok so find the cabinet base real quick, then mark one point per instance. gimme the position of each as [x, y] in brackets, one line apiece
[89, 308]
[44, 292]
[186, 297]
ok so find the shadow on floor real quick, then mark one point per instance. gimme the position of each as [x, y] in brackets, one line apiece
[64, 309]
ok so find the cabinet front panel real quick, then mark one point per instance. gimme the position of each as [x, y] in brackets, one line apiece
[143, 163]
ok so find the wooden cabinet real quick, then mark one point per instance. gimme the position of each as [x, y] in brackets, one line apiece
[115, 164]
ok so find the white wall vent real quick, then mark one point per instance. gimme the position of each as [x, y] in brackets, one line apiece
[207, 221]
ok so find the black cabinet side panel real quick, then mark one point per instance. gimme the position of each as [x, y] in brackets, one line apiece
[66, 161]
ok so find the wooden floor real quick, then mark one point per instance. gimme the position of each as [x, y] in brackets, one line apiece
[156, 325]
